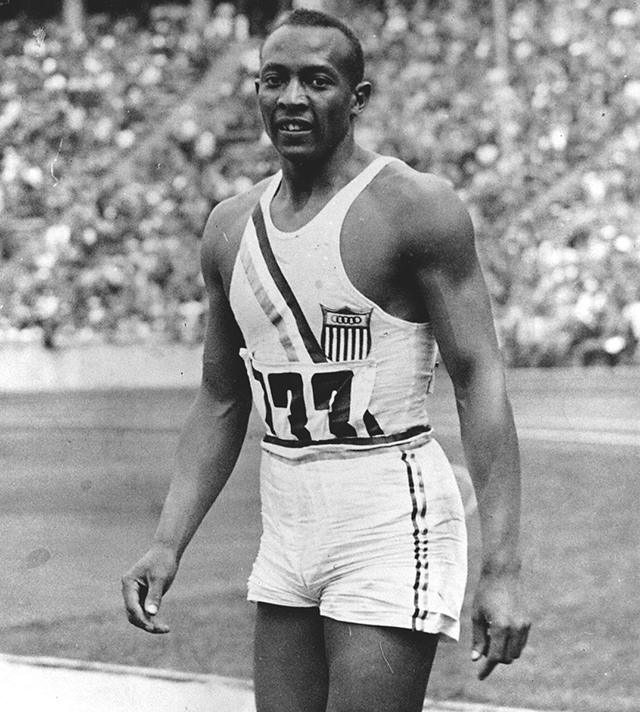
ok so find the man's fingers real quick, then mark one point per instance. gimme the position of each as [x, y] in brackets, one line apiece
[131, 595]
[486, 669]
[497, 650]
[499, 643]
[506, 645]
[134, 594]
[155, 626]
[480, 640]
[518, 640]
[154, 596]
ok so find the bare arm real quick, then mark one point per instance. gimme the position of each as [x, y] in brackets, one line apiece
[453, 288]
[214, 432]
[207, 452]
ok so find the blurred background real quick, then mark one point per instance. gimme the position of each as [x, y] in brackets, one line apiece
[122, 125]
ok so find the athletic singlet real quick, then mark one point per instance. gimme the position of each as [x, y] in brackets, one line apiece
[327, 365]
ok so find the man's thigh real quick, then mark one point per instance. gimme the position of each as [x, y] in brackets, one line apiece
[290, 669]
[377, 669]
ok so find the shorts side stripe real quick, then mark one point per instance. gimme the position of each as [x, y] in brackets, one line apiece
[420, 544]
[424, 538]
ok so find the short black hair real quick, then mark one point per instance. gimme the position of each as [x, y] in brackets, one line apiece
[303, 17]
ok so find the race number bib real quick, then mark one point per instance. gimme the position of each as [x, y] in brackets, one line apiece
[311, 402]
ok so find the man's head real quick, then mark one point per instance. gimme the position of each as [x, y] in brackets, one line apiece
[354, 60]
[310, 87]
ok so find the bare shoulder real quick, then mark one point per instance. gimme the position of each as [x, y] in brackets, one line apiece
[224, 229]
[432, 221]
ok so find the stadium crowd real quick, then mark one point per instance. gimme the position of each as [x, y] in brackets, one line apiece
[116, 145]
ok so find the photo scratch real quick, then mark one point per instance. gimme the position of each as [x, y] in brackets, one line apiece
[54, 162]
[385, 659]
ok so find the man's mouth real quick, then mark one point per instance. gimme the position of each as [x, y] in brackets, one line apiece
[293, 126]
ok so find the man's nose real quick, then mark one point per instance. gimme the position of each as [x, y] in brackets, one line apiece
[293, 94]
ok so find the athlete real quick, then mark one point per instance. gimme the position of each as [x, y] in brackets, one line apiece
[329, 286]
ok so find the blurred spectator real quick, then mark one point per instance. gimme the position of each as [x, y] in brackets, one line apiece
[114, 152]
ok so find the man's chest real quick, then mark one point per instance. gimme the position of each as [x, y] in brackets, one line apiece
[365, 252]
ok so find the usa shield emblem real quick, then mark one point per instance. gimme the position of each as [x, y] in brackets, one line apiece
[346, 334]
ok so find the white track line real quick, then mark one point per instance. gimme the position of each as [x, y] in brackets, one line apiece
[435, 706]
[232, 694]
[595, 437]
[628, 436]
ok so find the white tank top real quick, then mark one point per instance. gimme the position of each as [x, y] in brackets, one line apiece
[327, 365]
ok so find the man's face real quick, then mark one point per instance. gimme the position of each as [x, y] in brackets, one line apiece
[305, 97]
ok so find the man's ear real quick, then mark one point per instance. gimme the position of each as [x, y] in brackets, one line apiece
[362, 94]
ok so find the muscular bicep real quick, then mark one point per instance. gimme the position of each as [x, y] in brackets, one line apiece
[221, 357]
[223, 368]
[460, 313]
[454, 291]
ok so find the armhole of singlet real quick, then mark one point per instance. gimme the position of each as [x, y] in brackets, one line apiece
[343, 200]
[354, 192]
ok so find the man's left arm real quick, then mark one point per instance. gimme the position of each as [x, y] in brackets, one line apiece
[452, 286]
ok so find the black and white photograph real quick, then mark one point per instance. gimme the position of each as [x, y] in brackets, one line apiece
[320, 355]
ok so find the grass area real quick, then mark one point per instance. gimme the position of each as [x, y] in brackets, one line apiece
[582, 572]
[209, 634]
[580, 535]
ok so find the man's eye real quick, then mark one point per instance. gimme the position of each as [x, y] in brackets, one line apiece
[271, 80]
[320, 82]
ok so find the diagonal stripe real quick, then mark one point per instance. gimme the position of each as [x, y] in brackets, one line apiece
[308, 337]
[268, 307]
[373, 428]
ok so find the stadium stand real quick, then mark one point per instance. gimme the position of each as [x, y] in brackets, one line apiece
[114, 150]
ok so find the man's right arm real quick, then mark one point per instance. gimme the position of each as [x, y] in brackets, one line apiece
[207, 451]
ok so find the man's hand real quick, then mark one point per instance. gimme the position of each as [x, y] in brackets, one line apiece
[145, 584]
[500, 629]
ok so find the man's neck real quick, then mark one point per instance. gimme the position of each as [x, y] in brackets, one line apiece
[302, 181]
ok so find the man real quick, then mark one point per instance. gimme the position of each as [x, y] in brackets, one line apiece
[333, 280]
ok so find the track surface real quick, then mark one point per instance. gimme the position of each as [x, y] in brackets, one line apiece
[84, 475]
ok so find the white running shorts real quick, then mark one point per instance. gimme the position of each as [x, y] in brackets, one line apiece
[375, 537]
